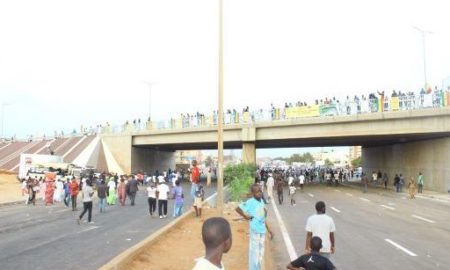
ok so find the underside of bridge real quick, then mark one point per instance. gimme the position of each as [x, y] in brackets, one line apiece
[365, 141]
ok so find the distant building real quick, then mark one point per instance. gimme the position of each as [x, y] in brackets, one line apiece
[354, 152]
[186, 157]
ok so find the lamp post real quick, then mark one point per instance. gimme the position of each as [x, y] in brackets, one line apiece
[423, 33]
[220, 124]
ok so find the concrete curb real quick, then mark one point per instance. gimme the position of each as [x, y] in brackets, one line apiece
[380, 188]
[12, 203]
[123, 260]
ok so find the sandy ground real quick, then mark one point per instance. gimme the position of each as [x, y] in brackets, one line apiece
[183, 245]
[10, 188]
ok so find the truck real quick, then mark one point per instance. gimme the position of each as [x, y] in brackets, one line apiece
[36, 166]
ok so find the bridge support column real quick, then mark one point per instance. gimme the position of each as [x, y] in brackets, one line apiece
[431, 157]
[150, 160]
[249, 153]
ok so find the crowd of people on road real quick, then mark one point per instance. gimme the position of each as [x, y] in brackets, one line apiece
[382, 179]
[111, 189]
[216, 233]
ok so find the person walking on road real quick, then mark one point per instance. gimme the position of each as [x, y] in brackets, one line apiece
[101, 194]
[420, 181]
[111, 192]
[385, 180]
[151, 192]
[195, 179]
[270, 183]
[198, 202]
[312, 260]
[302, 181]
[74, 189]
[177, 194]
[133, 189]
[67, 193]
[402, 182]
[122, 191]
[162, 194]
[397, 183]
[412, 188]
[88, 192]
[254, 210]
[321, 225]
[364, 182]
[292, 190]
[280, 191]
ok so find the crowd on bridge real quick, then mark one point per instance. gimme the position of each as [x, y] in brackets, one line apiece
[358, 104]
[328, 106]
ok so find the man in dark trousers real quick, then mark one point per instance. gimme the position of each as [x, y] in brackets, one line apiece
[313, 260]
[133, 189]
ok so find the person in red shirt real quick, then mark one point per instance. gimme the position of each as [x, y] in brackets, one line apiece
[195, 179]
[74, 189]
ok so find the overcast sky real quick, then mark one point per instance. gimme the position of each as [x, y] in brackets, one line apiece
[67, 63]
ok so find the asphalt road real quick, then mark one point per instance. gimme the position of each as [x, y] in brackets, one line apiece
[376, 230]
[40, 237]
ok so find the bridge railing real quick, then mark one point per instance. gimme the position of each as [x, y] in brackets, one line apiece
[335, 108]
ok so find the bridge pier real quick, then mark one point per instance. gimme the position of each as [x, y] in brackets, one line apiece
[132, 159]
[249, 153]
[431, 157]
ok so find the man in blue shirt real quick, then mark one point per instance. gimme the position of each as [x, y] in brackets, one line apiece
[255, 211]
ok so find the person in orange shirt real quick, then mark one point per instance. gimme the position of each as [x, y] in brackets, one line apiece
[74, 189]
[195, 179]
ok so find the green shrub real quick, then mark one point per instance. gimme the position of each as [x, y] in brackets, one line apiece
[240, 178]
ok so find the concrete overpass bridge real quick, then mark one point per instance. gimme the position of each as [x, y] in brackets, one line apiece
[396, 142]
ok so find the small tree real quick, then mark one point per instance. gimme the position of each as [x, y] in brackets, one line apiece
[328, 163]
[240, 177]
[208, 161]
[357, 162]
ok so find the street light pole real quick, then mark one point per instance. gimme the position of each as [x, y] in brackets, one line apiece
[423, 33]
[220, 195]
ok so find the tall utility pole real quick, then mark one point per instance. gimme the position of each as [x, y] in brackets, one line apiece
[423, 33]
[220, 124]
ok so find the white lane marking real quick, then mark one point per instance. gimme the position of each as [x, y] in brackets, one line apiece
[337, 190]
[364, 199]
[89, 229]
[335, 209]
[58, 211]
[424, 219]
[310, 195]
[348, 194]
[388, 207]
[287, 240]
[410, 253]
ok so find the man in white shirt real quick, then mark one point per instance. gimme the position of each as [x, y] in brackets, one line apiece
[216, 235]
[270, 183]
[302, 181]
[88, 192]
[321, 225]
[162, 194]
